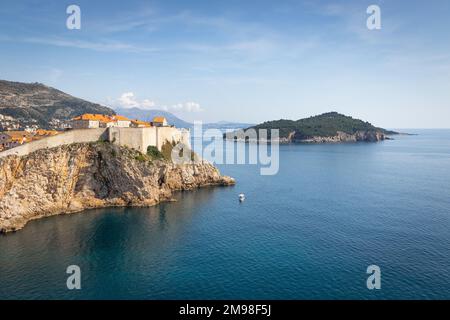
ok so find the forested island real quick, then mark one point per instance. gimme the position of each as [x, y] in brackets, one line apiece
[327, 127]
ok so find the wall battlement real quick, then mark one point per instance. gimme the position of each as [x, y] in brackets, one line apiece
[136, 138]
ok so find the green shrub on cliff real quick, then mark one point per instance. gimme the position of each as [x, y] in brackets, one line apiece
[154, 153]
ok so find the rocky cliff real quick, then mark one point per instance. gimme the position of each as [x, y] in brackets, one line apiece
[367, 136]
[76, 177]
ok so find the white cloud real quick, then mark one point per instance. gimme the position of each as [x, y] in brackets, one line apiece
[128, 100]
[146, 103]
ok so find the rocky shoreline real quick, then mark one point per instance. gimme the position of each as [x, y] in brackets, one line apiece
[365, 136]
[340, 137]
[76, 177]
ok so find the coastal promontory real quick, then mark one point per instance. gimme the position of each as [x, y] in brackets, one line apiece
[75, 177]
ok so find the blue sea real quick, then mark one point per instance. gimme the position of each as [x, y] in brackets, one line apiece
[309, 232]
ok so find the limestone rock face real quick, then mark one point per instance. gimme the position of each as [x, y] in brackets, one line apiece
[367, 136]
[76, 177]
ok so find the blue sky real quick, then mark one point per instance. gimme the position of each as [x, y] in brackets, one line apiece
[246, 61]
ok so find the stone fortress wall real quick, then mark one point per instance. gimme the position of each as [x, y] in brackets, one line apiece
[136, 138]
[141, 138]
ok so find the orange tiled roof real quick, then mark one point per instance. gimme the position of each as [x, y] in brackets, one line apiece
[36, 137]
[120, 118]
[139, 122]
[42, 132]
[159, 119]
[94, 117]
[18, 135]
[101, 117]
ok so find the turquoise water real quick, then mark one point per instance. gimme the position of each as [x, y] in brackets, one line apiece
[308, 232]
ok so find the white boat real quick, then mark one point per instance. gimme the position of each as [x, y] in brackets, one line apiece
[241, 197]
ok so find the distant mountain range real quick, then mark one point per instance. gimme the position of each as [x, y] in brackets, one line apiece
[147, 115]
[38, 104]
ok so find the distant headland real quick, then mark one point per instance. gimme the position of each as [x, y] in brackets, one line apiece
[330, 127]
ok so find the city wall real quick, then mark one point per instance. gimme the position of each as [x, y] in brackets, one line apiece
[136, 138]
[68, 137]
